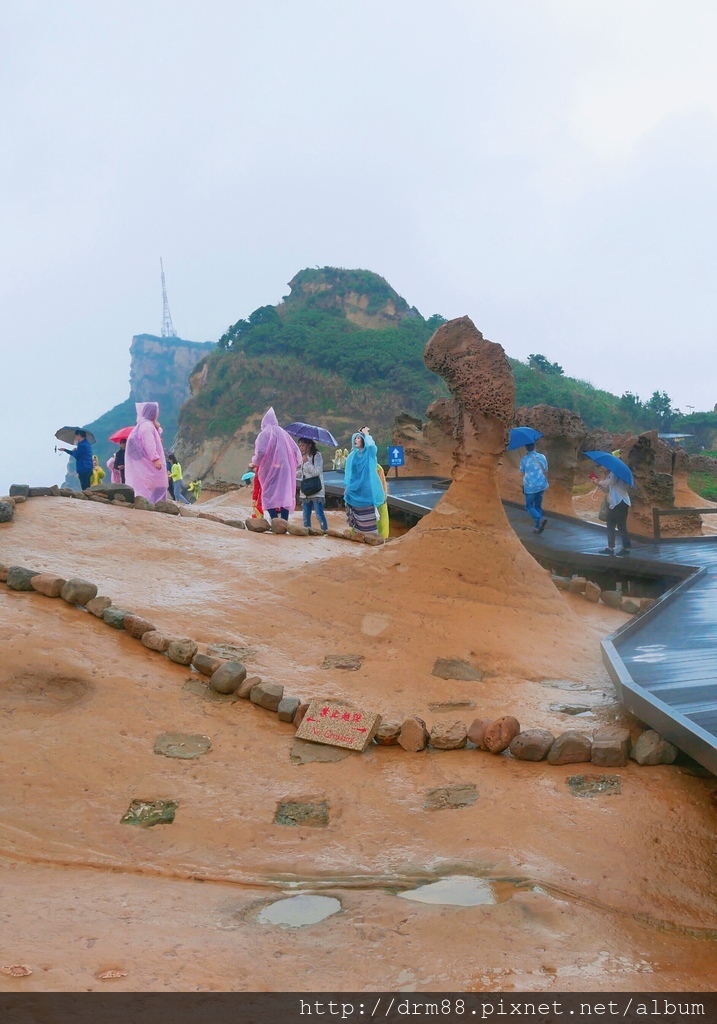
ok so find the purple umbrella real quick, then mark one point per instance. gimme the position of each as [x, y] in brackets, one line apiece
[311, 433]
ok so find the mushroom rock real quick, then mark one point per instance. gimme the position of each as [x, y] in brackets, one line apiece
[562, 442]
[684, 495]
[428, 446]
[651, 468]
[460, 580]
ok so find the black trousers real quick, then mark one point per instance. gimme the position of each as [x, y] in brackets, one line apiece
[617, 520]
[85, 479]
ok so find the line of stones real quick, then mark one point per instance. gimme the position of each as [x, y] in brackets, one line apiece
[592, 592]
[122, 496]
[610, 746]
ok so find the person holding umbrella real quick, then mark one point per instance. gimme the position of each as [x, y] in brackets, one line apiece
[534, 467]
[615, 486]
[311, 483]
[82, 454]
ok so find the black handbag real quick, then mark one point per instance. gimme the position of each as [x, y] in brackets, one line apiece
[310, 485]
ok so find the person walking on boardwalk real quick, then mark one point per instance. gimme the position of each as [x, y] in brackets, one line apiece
[311, 483]
[276, 458]
[145, 464]
[618, 506]
[82, 454]
[534, 467]
[363, 492]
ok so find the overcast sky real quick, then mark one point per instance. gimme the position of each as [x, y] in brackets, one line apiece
[547, 167]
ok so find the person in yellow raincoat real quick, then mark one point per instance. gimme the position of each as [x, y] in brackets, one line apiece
[195, 489]
[383, 508]
[98, 473]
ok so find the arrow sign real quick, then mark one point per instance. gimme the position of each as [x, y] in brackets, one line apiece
[326, 722]
[396, 455]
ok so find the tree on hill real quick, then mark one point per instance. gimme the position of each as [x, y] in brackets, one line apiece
[541, 363]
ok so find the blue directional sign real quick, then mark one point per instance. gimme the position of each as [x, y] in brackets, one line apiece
[395, 455]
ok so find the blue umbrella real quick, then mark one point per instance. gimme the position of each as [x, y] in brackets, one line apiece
[311, 433]
[613, 465]
[520, 436]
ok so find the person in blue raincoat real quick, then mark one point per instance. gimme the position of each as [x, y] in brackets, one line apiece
[362, 488]
[82, 455]
[534, 468]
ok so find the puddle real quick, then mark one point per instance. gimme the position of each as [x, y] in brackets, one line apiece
[462, 891]
[299, 911]
[146, 813]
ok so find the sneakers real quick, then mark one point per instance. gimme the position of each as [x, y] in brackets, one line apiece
[607, 551]
[623, 551]
[541, 526]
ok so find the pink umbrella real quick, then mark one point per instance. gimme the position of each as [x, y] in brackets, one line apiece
[120, 435]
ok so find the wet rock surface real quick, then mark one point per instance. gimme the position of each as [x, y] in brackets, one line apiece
[570, 747]
[78, 591]
[185, 746]
[19, 578]
[228, 677]
[414, 735]
[48, 584]
[440, 707]
[137, 626]
[594, 785]
[231, 652]
[267, 695]
[154, 640]
[206, 664]
[611, 747]
[448, 735]
[115, 617]
[387, 734]
[651, 749]
[181, 650]
[204, 690]
[349, 662]
[98, 605]
[456, 668]
[570, 709]
[146, 813]
[303, 752]
[288, 706]
[315, 814]
[445, 797]
[532, 745]
[500, 734]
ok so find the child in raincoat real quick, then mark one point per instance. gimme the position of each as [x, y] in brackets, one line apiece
[98, 473]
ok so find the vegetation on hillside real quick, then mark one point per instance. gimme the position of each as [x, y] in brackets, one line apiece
[307, 356]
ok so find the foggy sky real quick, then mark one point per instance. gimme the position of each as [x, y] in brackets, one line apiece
[544, 166]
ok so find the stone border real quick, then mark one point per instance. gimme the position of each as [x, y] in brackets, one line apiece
[609, 746]
[104, 495]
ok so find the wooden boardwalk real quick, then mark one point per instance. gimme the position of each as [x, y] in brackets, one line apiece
[664, 662]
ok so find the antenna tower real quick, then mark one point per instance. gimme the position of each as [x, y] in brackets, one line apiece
[168, 330]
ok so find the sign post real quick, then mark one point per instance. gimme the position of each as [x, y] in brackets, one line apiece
[395, 456]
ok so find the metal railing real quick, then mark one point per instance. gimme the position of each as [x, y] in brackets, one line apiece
[658, 512]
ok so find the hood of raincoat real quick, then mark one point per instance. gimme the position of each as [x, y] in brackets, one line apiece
[362, 484]
[147, 411]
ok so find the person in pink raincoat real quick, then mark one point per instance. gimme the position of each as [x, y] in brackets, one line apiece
[115, 475]
[145, 464]
[277, 458]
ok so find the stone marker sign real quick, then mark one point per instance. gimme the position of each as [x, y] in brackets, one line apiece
[338, 725]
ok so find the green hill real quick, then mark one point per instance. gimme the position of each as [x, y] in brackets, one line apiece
[345, 347]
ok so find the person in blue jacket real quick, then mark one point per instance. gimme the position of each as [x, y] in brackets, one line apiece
[82, 455]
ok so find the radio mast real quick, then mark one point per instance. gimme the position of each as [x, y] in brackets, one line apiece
[168, 330]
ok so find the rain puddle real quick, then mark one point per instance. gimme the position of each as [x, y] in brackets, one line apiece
[298, 911]
[462, 891]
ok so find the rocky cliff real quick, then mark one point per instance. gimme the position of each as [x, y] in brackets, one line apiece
[343, 349]
[159, 372]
